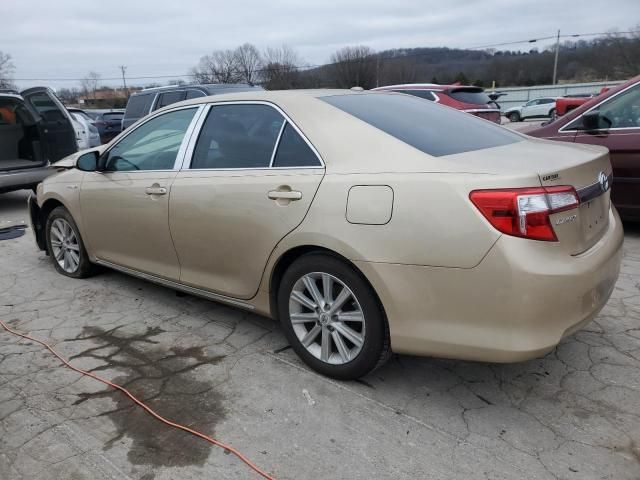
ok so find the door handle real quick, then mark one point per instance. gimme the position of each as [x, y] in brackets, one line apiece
[156, 190]
[284, 195]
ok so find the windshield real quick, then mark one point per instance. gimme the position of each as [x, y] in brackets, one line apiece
[431, 128]
[470, 95]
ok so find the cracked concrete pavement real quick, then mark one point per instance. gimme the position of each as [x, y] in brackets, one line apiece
[573, 414]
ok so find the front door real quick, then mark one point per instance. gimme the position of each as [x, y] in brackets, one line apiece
[620, 133]
[125, 205]
[249, 182]
[56, 127]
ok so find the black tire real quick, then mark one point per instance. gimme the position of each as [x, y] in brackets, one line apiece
[375, 349]
[514, 117]
[552, 114]
[84, 268]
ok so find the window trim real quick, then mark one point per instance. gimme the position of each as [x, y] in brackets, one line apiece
[188, 156]
[183, 145]
[567, 127]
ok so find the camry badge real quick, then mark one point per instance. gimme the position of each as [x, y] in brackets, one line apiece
[603, 180]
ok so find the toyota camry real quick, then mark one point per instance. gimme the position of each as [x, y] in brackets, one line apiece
[366, 222]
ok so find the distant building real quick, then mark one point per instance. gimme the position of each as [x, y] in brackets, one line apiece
[106, 98]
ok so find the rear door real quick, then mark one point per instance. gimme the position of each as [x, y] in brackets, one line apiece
[620, 133]
[56, 125]
[248, 180]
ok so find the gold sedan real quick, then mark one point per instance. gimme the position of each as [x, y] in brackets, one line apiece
[366, 222]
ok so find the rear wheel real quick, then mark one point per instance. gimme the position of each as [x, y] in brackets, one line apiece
[552, 114]
[65, 245]
[332, 317]
[514, 117]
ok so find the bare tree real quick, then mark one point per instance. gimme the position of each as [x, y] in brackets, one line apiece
[249, 63]
[220, 66]
[89, 83]
[6, 70]
[281, 68]
[397, 70]
[68, 95]
[355, 67]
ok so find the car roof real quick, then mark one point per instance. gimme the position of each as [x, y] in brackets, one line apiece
[208, 87]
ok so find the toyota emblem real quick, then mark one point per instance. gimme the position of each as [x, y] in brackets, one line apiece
[603, 180]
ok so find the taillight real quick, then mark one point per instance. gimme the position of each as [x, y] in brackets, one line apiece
[524, 212]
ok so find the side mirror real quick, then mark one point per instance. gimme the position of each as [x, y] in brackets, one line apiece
[87, 162]
[593, 121]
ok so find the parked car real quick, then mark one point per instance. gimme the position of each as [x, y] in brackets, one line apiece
[108, 122]
[472, 100]
[35, 130]
[612, 120]
[364, 221]
[87, 134]
[544, 107]
[151, 99]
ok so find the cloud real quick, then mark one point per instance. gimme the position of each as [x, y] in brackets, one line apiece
[67, 38]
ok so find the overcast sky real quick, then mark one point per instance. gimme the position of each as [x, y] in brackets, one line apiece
[67, 38]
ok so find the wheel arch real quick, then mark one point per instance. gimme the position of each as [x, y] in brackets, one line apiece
[39, 215]
[287, 258]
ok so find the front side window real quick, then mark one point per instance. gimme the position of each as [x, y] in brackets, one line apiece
[431, 128]
[138, 105]
[153, 145]
[293, 151]
[622, 111]
[237, 136]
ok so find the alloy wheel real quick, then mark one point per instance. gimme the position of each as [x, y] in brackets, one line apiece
[327, 318]
[64, 245]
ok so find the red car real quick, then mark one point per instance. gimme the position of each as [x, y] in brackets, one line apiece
[569, 102]
[612, 119]
[472, 100]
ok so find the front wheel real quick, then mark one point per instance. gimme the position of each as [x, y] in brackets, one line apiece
[332, 318]
[65, 246]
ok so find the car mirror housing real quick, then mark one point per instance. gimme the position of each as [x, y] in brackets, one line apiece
[592, 121]
[88, 162]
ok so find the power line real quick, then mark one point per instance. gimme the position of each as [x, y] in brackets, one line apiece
[306, 67]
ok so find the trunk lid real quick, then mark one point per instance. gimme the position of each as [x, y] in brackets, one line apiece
[584, 167]
[580, 229]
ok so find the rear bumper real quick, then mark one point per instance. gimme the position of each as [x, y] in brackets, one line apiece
[517, 304]
[18, 179]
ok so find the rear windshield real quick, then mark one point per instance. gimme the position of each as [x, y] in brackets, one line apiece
[138, 105]
[469, 95]
[429, 127]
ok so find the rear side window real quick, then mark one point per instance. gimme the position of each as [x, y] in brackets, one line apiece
[429, 127]
[237, 136]
[293, 151]
[426, 94]
[194, 94]
[168, 98]
[138, 105]
[469, 95]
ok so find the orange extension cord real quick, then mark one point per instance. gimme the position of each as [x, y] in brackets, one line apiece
[148, 409]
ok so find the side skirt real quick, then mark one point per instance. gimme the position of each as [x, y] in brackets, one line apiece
[177, 286]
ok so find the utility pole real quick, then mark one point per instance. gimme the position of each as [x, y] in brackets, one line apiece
[555, 62]
[123, 69]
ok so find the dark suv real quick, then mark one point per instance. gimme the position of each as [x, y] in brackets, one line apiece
[35, 130]
[146, 101]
